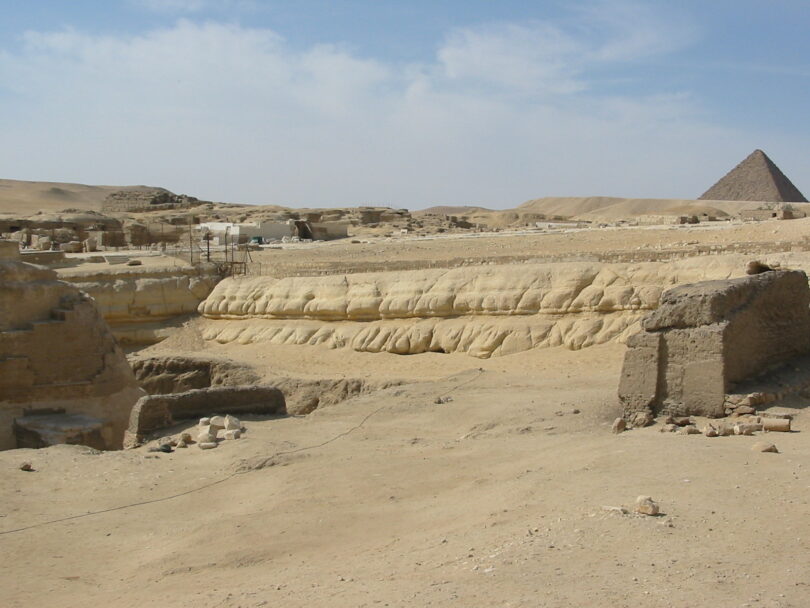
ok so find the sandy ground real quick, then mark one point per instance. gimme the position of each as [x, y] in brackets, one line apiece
[494, 498]
[505, 247]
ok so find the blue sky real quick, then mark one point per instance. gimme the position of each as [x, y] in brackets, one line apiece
[317, 103]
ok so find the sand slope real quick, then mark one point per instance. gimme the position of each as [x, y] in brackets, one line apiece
[492, 499]
[22, 197]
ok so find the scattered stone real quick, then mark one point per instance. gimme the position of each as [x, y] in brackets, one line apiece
[781, 425]
[619, 425]
[782, 415]
[163, 447]
[207, 434]
[217, 421]
[724, 429]
[205, 421]
[233, 434]
[232, 423]
[744, 409]
[641, 419]
[181, 444]
[689, 429]
[764, 446]
[134, 263]
[669, 428]
[747, 428]
[27, 466]
[621, 510]
[207, 445]
[646, 506]
[576, 411]
[710, 431]
[185, 438]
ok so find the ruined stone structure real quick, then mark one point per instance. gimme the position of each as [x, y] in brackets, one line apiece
[155, 412]
[705, 337]
[57, 357]
[148, 200]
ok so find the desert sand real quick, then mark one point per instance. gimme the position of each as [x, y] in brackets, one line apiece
[496, 497]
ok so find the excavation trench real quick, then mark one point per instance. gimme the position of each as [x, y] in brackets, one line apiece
[163, 375]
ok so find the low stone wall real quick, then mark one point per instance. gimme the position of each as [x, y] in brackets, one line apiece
[155, 412]
[706, 337]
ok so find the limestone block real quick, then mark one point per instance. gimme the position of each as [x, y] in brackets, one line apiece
[704, 388]
[639, 378]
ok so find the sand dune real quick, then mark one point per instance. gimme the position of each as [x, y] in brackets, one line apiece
[22, 197]
[606, 208]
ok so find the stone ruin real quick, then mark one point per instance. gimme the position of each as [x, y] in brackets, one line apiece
[156, 199]
[707, 337]
[63, 378]
[155, 412]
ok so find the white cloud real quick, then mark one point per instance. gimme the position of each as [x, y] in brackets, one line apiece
[505, 113]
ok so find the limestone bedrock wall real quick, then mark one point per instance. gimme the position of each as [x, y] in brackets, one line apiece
[57, 353]
[480, 310]
[707, 336]
[137, 301]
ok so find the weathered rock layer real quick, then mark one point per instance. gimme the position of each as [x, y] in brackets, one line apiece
[483, 311]
[57, 354]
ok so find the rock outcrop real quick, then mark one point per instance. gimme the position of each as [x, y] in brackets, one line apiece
[138, 301]
[480, 310]
[707, 336]
[57, 355]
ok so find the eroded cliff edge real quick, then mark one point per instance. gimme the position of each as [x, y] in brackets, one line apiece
[482, 310]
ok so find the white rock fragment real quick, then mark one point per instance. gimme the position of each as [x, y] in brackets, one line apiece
[217, 421]
[232, 423]
[207, 445]
[646, 506]
[205, 421]
[233, 434]
[208, 434]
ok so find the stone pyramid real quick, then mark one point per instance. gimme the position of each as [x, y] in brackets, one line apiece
[756, 178]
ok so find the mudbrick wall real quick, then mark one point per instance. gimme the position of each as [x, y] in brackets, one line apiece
[706, 337]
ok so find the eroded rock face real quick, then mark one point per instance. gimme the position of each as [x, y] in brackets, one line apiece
[707, 336]
[57, 354]
[483, 311]
[176, 374]
[135, 301]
